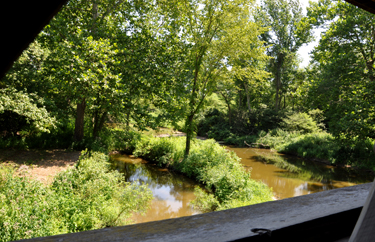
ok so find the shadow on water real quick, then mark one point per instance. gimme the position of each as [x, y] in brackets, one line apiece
[172, 192]
[292, 176]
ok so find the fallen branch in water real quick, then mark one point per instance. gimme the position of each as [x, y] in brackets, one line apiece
[259, 145]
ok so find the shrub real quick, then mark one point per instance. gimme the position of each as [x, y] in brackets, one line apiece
[300, 122]
[88, 196]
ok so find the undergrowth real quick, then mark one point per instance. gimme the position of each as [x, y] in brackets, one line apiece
[88, 196]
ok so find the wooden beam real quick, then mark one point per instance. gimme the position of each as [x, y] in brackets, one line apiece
[368, 5]
[21, 22]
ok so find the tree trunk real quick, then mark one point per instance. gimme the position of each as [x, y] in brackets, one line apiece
[247, 97]
[279, 64]
[95, 15]
[80, 121]
[227, 101]
[239, 99]
[277, 84]
[99, 122]
[229, 115]
[189, 134]
[128, 119]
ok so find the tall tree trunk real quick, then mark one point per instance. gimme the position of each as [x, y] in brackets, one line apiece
[277, 84]
[99, 122]
[128, 119]
[227, 101]
[189, 134]
[239, 99]
[80, 120]
[95, 15]
[279, 65]
[229, 114]
[247, 97]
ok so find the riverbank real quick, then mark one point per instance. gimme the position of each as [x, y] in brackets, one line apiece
[208, 163]
[318, 146]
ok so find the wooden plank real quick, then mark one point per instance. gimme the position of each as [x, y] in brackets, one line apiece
[365, 227]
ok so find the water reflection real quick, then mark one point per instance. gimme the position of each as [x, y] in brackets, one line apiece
[291, 176]
[172, 192]
[288, 176]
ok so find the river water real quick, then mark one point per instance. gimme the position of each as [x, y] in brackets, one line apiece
[302, 177]
[173, 192]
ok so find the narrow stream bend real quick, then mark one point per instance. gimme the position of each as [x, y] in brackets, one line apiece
[287, 175]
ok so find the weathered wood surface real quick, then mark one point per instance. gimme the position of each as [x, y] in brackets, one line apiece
[365, 228]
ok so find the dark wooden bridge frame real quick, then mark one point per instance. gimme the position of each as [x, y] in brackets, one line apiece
[333, 215]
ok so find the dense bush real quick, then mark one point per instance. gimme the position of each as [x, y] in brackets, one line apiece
[216, 124]
[300, 122]
[88, 196]
[60, 137]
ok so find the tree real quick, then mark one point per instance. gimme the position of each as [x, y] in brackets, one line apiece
[85, 73]
[213, 32]
[75, 35]
[93, 44]
[344, 86]
[286, 35]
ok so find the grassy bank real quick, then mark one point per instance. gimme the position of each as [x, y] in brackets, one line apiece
[88, 196]
[208, 163]
[319, 145]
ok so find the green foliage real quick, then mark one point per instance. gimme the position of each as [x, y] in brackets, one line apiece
[59, 137]
[300, 122]
[287, 33]
[25, 105]
[342, 82]
[213, 33]
[88, 196]
[216, 125]
[239, 141]
[205, 202]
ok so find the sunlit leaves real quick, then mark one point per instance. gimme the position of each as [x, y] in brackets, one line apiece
[24, 105]
[345, 81]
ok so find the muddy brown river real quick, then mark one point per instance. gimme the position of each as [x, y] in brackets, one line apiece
[287, 176]
[172, 192]
[303, 177]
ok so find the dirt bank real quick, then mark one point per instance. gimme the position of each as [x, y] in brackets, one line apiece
[41, 165]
